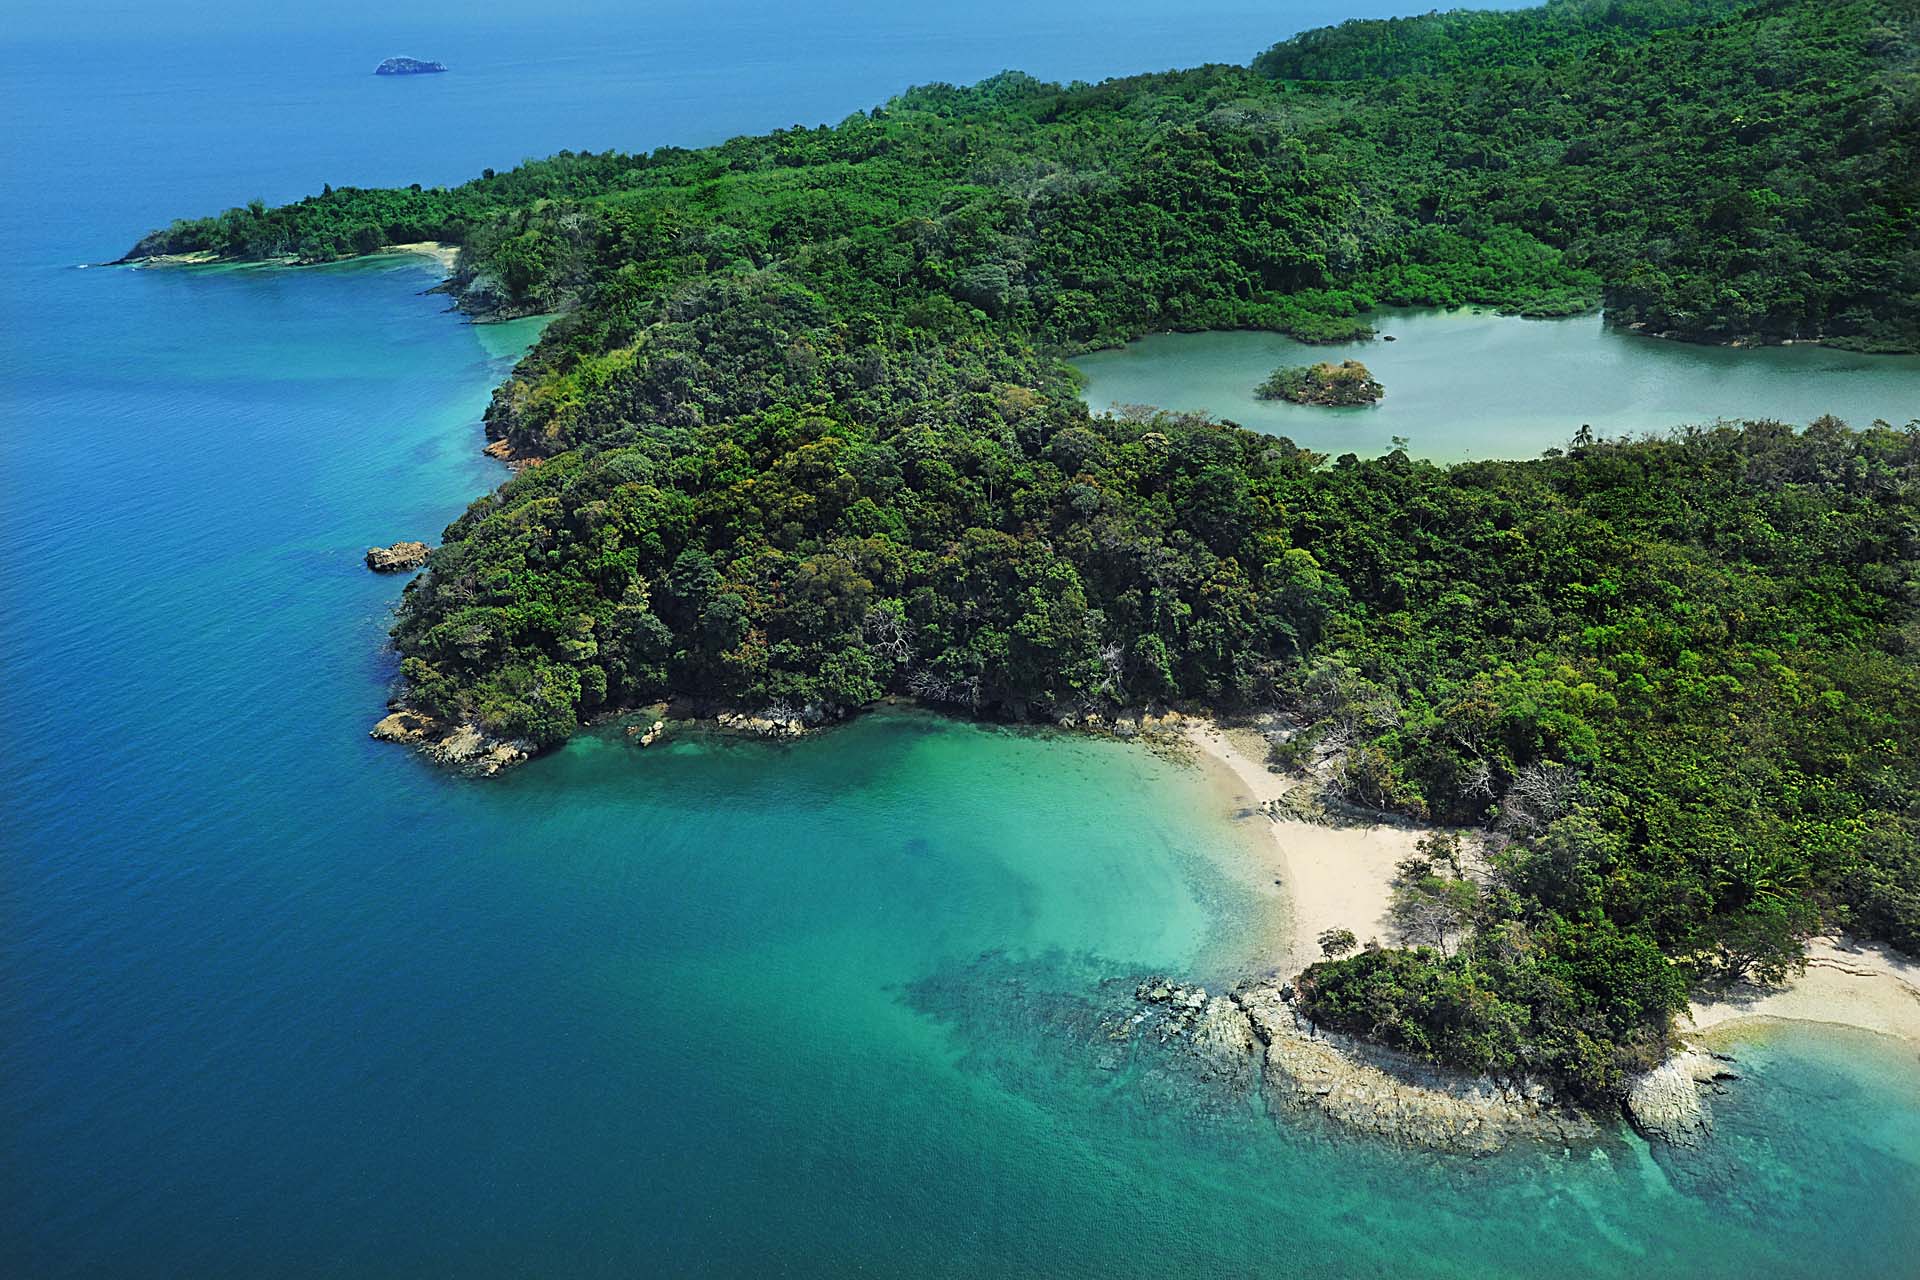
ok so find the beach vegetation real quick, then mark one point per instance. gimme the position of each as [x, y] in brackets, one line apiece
[805, 438]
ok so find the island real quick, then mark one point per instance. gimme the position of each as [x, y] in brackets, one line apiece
[803, 440]
[408, 67]
[1326, 383]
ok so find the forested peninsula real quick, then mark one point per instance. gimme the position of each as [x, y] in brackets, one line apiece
[805, 438]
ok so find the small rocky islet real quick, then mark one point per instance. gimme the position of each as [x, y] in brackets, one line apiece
[401, 557]
[409, 67]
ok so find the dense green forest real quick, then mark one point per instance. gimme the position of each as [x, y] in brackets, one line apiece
[804, 439]
[1714, 170]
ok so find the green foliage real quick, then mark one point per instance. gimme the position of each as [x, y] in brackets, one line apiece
[1346, 383]
[805, 439]
[1335, 943]
[1583, 1006]
[1715, 171]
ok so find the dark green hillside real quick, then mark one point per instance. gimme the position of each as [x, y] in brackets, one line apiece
[806, 439]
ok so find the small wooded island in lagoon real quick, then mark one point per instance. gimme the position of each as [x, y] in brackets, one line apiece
[1326, 383]
[805, 439]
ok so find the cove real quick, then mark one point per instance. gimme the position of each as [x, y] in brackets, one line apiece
[279, 1000]
[1473, 384]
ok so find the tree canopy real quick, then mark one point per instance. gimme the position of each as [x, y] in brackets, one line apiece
[805, 438]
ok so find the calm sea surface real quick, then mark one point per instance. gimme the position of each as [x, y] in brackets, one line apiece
[277, 1000]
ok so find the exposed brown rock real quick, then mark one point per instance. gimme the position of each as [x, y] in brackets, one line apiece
[466, 747]
[399, 558]
[407, 727]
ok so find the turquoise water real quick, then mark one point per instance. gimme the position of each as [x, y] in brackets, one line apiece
[278, 1000]
[1466, 384]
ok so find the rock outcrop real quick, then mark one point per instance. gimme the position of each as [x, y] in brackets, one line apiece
[1212, 1028]
[1251, 1037]
[409, 67]
[1123, 722]
[401, 557]
[769, 725]
[779, 721]
[1669, 1103]
[466, 746]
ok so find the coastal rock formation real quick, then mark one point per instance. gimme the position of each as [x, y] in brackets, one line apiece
[1123, 722]
[485, 299]
[405, 726]
[769, 725]
[408, 67]
[398, 558]
[466, 747]
[1251, 1037]
[502, 450]
[779, 721]
[1213, 1028]
[1669, 1104]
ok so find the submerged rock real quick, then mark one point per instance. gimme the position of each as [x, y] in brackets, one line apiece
[1667, 1104]
[398, 558]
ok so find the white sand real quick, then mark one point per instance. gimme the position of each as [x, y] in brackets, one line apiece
[439, 251]
[1341, 877]
[1851, 983]
[1333, 877]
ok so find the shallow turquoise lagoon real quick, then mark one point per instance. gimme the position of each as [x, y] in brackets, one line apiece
[276, 999]
[1472, 384]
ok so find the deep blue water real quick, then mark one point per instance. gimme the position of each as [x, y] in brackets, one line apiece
[277, 1000]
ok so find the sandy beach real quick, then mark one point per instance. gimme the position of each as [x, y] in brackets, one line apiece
[1341, 877]
[1331, 877]
[439, 251]
[1854, 984]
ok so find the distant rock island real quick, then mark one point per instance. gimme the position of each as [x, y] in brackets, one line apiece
[408, 67]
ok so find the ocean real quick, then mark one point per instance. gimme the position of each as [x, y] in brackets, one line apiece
[279, 1000]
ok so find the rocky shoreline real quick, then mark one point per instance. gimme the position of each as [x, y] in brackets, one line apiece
[1247, 1040]
[1250, 1040]
[470, 748]
[465, 747]
[1669, 1103]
